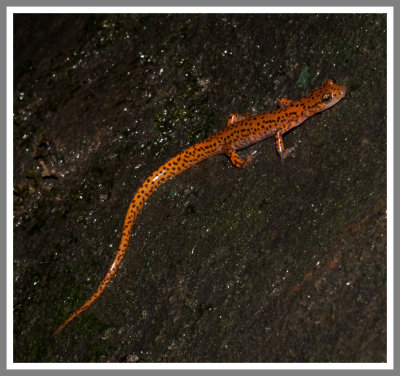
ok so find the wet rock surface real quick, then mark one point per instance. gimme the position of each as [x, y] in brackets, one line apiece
[279, 263]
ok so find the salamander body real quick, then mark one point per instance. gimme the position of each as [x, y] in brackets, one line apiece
[240, 132]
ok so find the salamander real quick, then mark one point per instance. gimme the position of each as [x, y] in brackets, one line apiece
[240, 132]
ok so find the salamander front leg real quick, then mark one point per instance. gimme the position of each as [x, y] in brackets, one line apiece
[235, 159]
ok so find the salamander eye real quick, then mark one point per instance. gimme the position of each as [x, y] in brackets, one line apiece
[326, 97]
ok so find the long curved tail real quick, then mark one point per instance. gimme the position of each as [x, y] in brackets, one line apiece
[173, 167]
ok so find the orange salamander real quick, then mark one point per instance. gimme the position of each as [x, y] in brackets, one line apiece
[241, 131]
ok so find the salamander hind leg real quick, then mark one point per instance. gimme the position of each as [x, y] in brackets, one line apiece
[235, 117]
[284, 102]
[280, 148]
[235, 158]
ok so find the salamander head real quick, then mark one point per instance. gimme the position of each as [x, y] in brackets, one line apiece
[324, 97]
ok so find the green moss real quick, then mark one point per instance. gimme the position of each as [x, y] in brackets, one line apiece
[304, 77]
